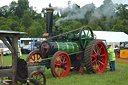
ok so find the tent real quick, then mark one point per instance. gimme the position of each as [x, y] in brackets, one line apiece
[113, 38]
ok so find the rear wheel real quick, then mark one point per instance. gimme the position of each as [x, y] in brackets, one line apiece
[60, 64]
[96, 57]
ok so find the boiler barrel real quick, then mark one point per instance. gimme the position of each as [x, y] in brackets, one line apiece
[49, 48]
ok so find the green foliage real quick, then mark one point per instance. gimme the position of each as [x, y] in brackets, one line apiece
[35, 29]
[5, 27]
[26, 19]
[18, 16]
[22, 6]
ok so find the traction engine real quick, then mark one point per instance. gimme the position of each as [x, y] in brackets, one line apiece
[63, 52]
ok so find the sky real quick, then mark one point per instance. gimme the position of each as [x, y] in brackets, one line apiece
[39, 4]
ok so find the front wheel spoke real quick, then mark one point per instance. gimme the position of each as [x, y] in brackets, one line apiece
[57, 64]
[34, 56]
[40, 77]
[56, 61]
[60, 57]
[62, 71]
[65, 66]
[58, 71]
[33, 59]
[36, 77]
[64, 60]
[38, 57]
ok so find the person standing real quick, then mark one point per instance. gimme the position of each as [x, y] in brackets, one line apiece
[112, 57]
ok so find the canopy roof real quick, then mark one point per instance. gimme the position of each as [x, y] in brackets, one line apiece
[110, 36]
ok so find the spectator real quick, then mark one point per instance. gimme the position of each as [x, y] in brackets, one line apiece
[112, 58]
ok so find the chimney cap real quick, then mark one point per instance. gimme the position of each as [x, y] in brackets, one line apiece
[49, 9]
[50, 5]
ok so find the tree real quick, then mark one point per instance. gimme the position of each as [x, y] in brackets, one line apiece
[26, 19]
[35, 30]
[22, 6]
[4, 11]
[93, 23]
[12, 8]
[123, 11]
[118, 28]
[12, 23]
[22, 29]
[5, 27]
[99, 29]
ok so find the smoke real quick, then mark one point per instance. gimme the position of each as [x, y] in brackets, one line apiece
[73, 12]
[104, 11]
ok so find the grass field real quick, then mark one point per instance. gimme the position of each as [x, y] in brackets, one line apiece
[118, 77]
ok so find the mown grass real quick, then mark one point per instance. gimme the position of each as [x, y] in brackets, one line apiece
[118, 77]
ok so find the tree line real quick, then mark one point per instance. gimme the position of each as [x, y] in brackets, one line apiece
[19, 16]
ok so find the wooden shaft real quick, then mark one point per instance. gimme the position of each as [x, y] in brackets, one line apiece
[14, 59]
[2, 61]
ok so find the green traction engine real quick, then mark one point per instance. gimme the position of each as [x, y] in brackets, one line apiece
[73, 50]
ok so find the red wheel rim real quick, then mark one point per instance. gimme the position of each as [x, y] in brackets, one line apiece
[61, 65]
[35, 57]
[99, 57]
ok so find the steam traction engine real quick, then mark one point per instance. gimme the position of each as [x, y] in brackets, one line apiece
[60, 52]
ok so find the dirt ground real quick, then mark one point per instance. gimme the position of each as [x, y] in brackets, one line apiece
[121, 60]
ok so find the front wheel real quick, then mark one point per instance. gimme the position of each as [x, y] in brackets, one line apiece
[34, 57]
[60, 64]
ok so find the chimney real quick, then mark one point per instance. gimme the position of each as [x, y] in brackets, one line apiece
[49, 19]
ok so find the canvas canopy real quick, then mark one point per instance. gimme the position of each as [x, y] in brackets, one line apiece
[113, 38]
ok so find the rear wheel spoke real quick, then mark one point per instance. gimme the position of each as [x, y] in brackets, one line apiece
[101, 62]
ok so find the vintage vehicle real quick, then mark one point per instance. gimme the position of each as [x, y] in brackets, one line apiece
[26, 49]
[4, 48]
[123, 50]
[76, 48]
